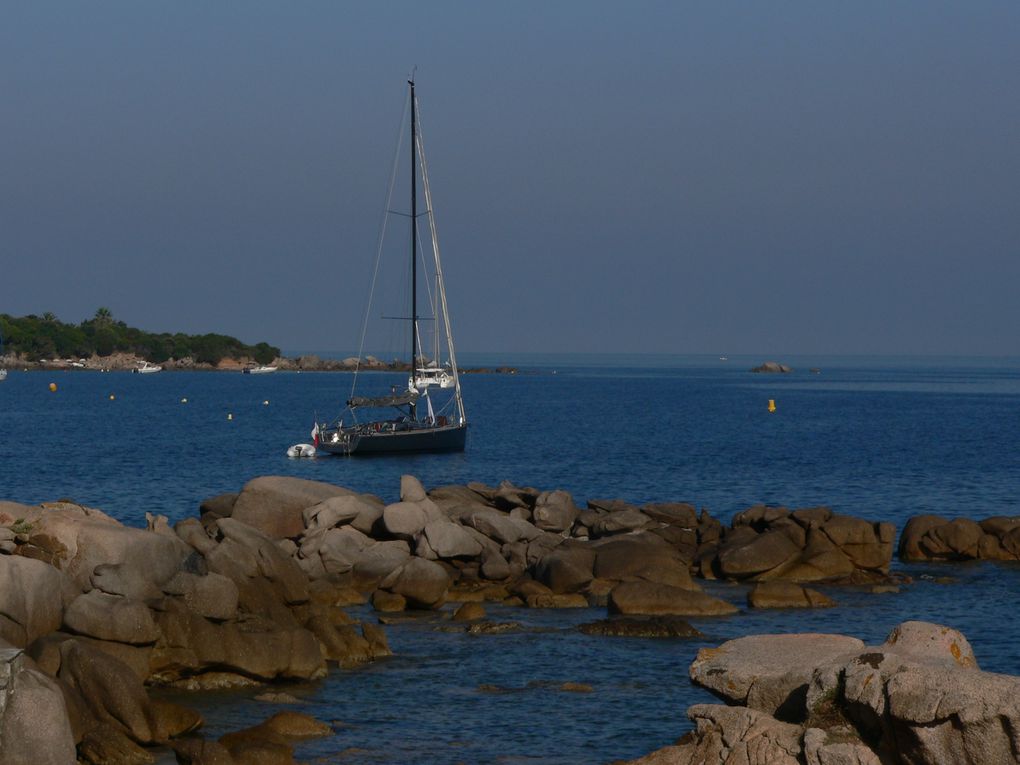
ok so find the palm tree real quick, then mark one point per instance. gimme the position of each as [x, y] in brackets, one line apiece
[103, 317]
[49, 318]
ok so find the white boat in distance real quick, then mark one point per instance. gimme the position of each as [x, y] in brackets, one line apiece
[262, 369]
[3, 372]
[147, 368]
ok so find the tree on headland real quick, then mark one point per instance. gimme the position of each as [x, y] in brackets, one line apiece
[103, 317]
[47, 337]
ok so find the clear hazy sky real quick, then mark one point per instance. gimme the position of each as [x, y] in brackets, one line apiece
[781, 177]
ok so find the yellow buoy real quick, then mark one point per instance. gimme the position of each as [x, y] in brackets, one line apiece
[772, 405]
[53, 387]
[112, 397]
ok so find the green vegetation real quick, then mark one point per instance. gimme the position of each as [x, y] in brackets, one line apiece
[46, 337]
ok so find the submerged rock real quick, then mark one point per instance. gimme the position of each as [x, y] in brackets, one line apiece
[655, 627]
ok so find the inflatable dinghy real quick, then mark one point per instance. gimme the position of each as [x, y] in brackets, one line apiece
[301, 450]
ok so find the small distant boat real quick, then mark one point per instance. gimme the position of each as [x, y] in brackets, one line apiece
[261, 369]
[301, 450]
[147, 369]
[3, 372]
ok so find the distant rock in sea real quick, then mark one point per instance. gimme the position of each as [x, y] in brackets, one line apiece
[772, 366]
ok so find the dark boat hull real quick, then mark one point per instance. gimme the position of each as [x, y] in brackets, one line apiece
[450, 438]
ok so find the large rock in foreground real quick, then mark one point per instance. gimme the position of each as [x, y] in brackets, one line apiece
[34, 725]
[917, 699]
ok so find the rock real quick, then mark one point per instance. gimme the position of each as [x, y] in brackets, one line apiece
[786, 595]
[274, 504]
[220, 506]
[641, 556]
[764, 554]
[82, 538]
[380, 560]
[655, 627]
[195, 535]
[109, 617]
[214, 681]
[197, 751]
[769, 673]
[245, 552]
[916, 529]
[388, 602]
[680, 514]
[842, 747]
[404, 520]
[492, 628]
[619, 522]
[111, 580]
[345, 644]
[868, 545]
[555, 511]
[571, 687]
[260, 649]
[551, 600]
[213, 596]
[731, 736]
[295, 725]
[370, 515]
[338, 549]
[34, 724]
[334, 511]
[772, 367]
[411, 489]
[450, 540]
[30, 599]
[106, 744]
[113, 693]
[469, 612]
[654, 599]
[45, 651]
[933, 711]
[496, 525]
[269, 742]
[932, 644]
[272, 697]
[495, 567]
[169, 720]
[566, 569]
[424, 583]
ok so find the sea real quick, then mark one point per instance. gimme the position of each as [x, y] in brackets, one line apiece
[876, 437]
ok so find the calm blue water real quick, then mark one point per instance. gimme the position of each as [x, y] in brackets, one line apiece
[883, 439]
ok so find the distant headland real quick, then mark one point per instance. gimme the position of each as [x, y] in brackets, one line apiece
[104, 343]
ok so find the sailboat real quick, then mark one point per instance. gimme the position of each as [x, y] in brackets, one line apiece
[411, 421]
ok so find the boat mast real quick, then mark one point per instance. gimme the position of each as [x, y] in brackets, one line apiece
[414, 243]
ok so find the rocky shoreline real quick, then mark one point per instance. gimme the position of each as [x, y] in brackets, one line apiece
[254, 590]
[122, 362]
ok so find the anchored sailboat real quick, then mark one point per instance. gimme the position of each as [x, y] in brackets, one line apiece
[419, 424]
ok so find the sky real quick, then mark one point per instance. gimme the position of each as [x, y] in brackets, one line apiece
[674, 177]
